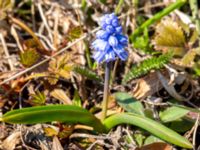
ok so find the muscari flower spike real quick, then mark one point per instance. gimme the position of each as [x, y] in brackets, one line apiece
[110, 41]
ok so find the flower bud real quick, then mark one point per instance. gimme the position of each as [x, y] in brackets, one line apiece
[101, 34]
[110, 29]
[113, 41]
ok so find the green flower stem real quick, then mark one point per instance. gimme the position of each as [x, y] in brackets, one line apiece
[106, 90]
[114, 72]
[157, 17]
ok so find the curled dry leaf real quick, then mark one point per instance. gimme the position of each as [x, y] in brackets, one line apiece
[61, 95]
[74, 33]
[156, 146]
[29, 57]
[11, 141]
[147, 86]
[61, 67]
[169, 36]
[51, 131]
[188, 59]
[56, 144]
[171, 89]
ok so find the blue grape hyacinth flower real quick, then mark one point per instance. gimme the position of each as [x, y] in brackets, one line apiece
[110, 41]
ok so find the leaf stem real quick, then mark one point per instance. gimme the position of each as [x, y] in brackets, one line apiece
[88, 57]
[119, 5]
[27, 29]
[106, 90]
[195, 15]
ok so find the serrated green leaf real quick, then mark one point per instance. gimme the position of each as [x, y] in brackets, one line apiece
[75, 33]
[29, 57]
[172, 113]
[61, 66]
[181, 125]
[188, 58]
[102, 1]
[169, 36]
[4, 6]
[193, 37]
[38, 99]
[149, 125]
[128, 103]
[147, 65]
[62, 113]
[139, 138]
[31, 43]
[87, 73]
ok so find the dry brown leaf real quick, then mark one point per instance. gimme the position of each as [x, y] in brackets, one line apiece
[61, 95]
[147, 86]
[4, 75]
[188, 59]
[156, 146]
[50, 131]
[170, 88]
[65, 131]
[56, 144]
[179, 63]
[61, 66]
[43, 146]
[11, 141]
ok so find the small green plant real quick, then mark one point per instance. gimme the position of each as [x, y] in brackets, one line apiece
[29, 57]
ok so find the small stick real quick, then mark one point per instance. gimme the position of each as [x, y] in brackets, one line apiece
[83, 135]
[6, 52]
[45, 21]
[195, 131]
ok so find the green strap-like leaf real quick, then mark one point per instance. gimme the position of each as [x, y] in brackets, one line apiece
[173, 113]
[152, 126]
[62, 113]
[129, 103]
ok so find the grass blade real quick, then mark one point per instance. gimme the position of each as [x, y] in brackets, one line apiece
[172, 113]
[129, 103]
